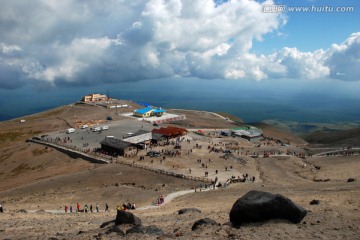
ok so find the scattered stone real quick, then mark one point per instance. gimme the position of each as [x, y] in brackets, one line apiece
[123, 217]
[116, 184]
[314, 202]
[351, 180]
[81, 232]
[185, 210]
[106, 223]
[98, 237]
[258, 206]
[321, 180]
[22, 211]
[317, 167]
[115, 229]
[150, 230]
[204, 221]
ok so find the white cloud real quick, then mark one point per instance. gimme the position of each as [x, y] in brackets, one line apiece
[308, 65]
[9, 49]
[344, 59]
[95, 41]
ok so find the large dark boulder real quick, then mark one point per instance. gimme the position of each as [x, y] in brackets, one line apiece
[123, 217]
[258, 206]
[186, 210]
[204, 221]
[150, 230]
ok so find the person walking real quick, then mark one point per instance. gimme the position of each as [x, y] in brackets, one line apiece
[106, 207]
[77, 207]
[1, 209]
[70, 209]
[97, 207]
[91, 209]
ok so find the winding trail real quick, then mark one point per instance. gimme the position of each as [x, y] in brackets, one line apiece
[167, 199]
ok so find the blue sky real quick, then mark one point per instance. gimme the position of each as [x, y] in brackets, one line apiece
[60, 44]
[309, 31]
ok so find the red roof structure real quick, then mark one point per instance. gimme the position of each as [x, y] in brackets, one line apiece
[170, 131]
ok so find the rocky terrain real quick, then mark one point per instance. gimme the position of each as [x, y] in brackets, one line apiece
[38, 181]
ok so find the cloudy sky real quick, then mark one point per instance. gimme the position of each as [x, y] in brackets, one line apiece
[77, 42]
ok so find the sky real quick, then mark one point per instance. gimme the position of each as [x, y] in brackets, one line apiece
[50, 44]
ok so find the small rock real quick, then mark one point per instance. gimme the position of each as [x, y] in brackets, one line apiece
[116, 184]
[314, 202]
[115, 229]
[351, 180]
[22, 211]
[186, 210]
[106, 223]
[81, 232]
[150, 230]
[204, 221]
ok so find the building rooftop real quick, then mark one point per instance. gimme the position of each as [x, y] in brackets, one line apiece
[159, 110]
[143, 110]
[115, 143]
[139, 137]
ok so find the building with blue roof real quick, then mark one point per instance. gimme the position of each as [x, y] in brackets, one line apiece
[149, 112]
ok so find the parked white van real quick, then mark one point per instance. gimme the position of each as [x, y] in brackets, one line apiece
[105, 128]
[70, 130]
[96, 129]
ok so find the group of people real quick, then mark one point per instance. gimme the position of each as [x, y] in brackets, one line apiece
[126, 206]
[160, 200]
[86, 208]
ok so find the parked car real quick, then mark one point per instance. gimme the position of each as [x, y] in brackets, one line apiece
[84, 126]
[96, 129]
[105, 128]
[70, 130]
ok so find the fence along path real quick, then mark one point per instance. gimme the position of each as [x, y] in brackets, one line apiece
[97, 159]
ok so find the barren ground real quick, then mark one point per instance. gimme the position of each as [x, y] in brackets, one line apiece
[42, 180]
